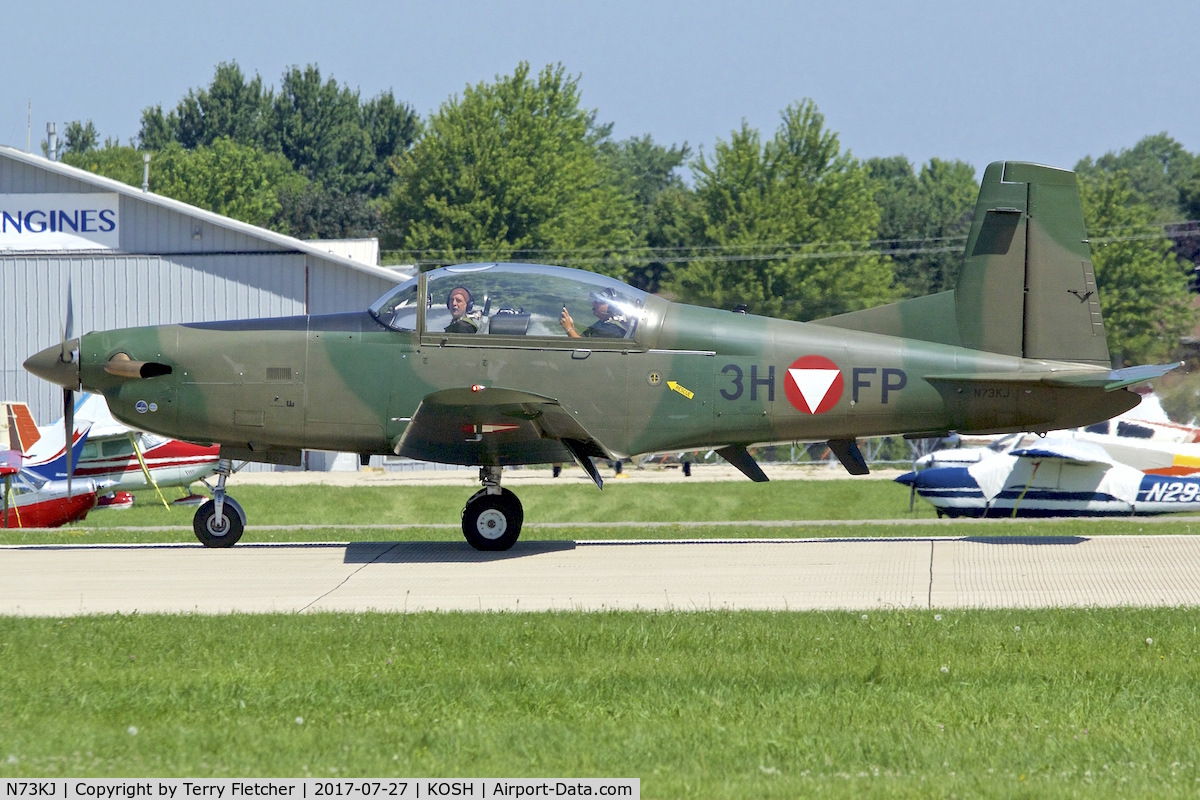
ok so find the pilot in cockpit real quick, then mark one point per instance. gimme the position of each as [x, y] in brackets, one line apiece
[460, 304]
[610, 322]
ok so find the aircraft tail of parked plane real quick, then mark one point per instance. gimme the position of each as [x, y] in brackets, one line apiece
[43, 450]
[1026, 287]
[18, 431]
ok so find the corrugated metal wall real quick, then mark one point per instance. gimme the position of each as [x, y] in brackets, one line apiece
[332, 287]
[125, 291]
[150, 228]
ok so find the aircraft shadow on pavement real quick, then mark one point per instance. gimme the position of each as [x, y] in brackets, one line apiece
[1035, 540]
[442, 552]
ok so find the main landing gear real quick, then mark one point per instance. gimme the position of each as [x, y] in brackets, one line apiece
[493, 516]
[221, 521]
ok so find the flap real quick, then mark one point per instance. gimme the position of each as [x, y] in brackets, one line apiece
[485, 426]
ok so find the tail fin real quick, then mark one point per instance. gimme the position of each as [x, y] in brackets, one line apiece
[18, 431]
[1026, 287]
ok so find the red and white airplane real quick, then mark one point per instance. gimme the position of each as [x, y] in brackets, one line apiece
[116, 457]
[120, 458]
[27, 500]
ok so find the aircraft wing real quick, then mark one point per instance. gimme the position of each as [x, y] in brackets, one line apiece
[1066, 449]
[487, 426]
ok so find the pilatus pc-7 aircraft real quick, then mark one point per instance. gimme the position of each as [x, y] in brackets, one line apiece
[493, 365]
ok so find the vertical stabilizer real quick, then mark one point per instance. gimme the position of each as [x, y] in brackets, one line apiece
[18, 431]
[1027, 286]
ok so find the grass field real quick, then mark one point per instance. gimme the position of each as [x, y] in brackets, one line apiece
[1041, 703]
[905, 704]
[397, 512]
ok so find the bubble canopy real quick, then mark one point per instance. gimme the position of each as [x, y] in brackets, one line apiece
[502, 299]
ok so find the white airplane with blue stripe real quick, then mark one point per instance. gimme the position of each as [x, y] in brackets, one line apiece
[1052, 478]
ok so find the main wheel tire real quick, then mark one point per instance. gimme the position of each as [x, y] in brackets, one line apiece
[223, 533]
[492, 521]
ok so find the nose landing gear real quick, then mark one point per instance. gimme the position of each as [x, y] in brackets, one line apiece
[221, 521]
[493, 516]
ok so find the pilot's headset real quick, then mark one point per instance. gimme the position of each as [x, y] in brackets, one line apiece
[470, 299]
[609, 297]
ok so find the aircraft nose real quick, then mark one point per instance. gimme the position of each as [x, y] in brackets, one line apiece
[49, 366]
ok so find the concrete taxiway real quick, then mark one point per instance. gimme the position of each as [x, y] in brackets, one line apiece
[859, 574]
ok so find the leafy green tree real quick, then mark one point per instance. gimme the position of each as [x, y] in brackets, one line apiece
[392, 128]
[1156, 168]
[513, 169]
[312, 211]
[121, 163]
[666, 209]
[317, 126]
[232, 179]
[930, 213]
[232, 107]
[1143, 287]
[322, 129]
[772, 211]
[79, 137]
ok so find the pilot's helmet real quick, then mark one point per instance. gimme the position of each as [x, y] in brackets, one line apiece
[617, 305]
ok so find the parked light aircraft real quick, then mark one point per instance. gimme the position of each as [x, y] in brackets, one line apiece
[490, 365]
[1152, 447]
[116, 457]
[43, 451]
[120, 458]
[27, 500]
[1054, 477]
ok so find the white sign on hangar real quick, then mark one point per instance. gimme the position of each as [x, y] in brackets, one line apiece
[32, 222]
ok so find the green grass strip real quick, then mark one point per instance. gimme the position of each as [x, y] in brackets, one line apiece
[1060, 703]
[700, 510]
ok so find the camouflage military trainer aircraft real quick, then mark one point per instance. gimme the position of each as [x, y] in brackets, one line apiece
[491, 365]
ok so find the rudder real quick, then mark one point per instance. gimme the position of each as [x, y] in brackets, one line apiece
[1027, 287]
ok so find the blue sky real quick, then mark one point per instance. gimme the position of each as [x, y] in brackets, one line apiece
[1041, 81]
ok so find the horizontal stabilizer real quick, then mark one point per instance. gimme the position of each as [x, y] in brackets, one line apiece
[1108, 380]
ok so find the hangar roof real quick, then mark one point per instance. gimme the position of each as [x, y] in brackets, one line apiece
[279, 240]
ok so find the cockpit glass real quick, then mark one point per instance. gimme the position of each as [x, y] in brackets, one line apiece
[398, 309]
[26, 482]
[530, 300]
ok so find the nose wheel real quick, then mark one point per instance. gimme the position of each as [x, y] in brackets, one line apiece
[221, 521]
[493, 516]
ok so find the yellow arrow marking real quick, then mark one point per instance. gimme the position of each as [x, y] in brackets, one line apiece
[675, 387]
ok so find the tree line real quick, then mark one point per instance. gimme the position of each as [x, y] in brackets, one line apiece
[788, 222]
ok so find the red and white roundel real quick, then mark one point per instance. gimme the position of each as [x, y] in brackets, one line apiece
[813, 384]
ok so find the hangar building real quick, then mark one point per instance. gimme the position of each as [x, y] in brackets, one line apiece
[137, 258]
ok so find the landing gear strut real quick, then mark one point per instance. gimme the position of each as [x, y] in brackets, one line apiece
[221, 521]
[493, 516]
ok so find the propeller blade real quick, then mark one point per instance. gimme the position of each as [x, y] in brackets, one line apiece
[68, 325]
[69, 424]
